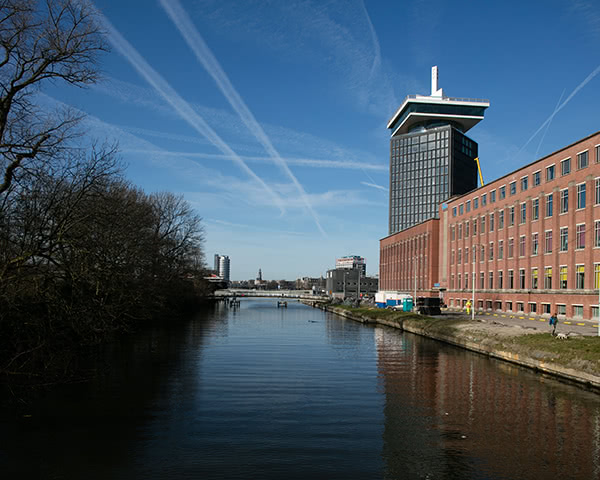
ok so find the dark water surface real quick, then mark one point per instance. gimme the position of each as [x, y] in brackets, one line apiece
[268, 393]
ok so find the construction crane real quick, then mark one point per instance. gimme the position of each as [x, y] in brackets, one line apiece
[479, 170]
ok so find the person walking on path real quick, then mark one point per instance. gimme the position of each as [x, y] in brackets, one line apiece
[553, 322]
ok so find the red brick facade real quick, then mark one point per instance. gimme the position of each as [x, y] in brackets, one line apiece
[536, 234]
[402, 252]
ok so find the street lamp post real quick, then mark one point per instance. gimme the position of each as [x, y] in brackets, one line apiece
[474, 248]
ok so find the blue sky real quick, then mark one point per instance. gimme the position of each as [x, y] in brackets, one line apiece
[270, 116]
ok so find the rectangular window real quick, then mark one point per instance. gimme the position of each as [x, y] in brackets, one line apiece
[482, 228]
[493, 196]
[535, 209]
[511, 279]
[509, 306]
[466, 255]
[474, 227]
[459, 257]
[545, 308]
[579, 277]
[511, 244]
[481, 280]
[491, 280]
[534, 243]
[500, 280]
[491, 222]
[548, 241]
[564, 200]
[548, 278]
[550, 173]
[564, 239]
[581, 195]
[534, 278]
[565, 166]
[475, 203]
[491, 250]
[454, 211]
[562, 277]
[500, 249]
[484, 200]
[524, 183]
[580, 236]
[467, 226]
[523, 216]
[522, 246]
[502, 192]
[501, 219]
[582, 160]
[596, 276]
[537, 178]
[549, 203]
[452, 232]
[511, 216]
[459, 231]
[468, 206]
[520, 306]
[597, 233]
[482, 254]
[522, 278]
[578, 310]
[513, 188]
[597, 192]
[459, 280]
[561, 309]
[452, 257]
[532, 307]
[460, 209]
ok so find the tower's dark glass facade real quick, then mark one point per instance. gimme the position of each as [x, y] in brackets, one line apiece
[427, 168]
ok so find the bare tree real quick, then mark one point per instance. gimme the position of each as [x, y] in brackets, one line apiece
[41, 41]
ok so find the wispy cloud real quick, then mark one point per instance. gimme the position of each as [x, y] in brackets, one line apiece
[589, 78]
[192, 37]
[184, 110]
[302, 162]
[374, 185]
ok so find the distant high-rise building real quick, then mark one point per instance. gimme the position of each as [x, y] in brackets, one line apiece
[431, 158]
[259, 278]
[222, 266]
[353, 262]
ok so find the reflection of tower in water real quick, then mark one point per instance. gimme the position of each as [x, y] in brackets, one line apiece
[462, 415]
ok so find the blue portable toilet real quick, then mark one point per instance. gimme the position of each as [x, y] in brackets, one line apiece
[407, 305]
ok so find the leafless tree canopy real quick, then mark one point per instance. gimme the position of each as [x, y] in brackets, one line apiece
[83, 253]
[55, 40]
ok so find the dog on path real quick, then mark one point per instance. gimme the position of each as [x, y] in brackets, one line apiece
[562, 336]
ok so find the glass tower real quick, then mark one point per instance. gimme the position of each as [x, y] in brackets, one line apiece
[431, 158]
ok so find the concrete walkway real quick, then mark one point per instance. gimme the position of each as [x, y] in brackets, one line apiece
[578, 327]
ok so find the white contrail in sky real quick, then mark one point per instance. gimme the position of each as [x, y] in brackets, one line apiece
[177, 102]
[548, 125]
[562, 105]
[191, 35]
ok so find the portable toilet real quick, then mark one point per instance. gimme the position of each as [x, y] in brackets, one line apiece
[407, 304]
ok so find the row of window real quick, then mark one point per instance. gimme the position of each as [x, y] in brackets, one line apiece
[498, 281]
[456, 231]
[534, 242]
[565, 169]
[532, 307]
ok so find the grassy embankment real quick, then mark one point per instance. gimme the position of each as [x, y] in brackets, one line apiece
[578, 352]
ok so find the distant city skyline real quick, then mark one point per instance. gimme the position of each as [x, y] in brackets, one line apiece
[270, 118]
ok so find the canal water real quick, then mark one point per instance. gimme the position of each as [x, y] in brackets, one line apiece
[262, 392]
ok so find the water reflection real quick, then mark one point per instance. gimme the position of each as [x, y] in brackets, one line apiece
[262, 392]
[453, 414]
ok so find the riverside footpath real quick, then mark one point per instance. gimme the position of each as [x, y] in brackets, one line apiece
[511, 338]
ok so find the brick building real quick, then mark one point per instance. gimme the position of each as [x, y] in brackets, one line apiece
[532, 238]
[408, 260]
